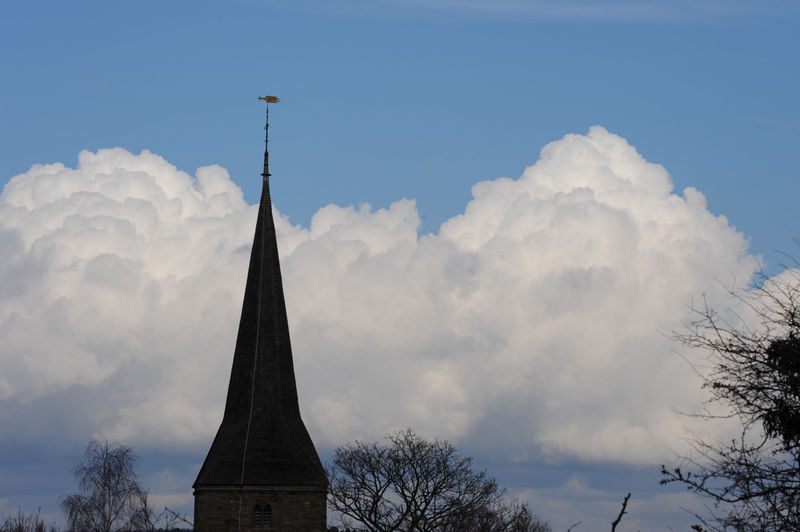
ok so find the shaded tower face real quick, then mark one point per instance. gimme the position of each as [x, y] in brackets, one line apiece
[262, 471]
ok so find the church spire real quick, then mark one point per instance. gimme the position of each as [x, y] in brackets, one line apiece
[262, 441]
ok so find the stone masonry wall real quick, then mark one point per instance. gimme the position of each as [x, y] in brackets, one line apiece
[234, 509]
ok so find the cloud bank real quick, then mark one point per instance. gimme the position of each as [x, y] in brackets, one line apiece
[531, 325]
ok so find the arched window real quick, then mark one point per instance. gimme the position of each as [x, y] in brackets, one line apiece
[262, 515]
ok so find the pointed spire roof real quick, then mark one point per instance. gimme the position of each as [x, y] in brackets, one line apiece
[262, 440]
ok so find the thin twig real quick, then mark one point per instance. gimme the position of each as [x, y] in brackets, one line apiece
[621, 513]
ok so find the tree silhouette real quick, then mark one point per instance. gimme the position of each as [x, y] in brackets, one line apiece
[412, 484]
[753, 480]
[110, 497]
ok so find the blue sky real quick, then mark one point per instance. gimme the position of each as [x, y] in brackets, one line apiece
[384, 100]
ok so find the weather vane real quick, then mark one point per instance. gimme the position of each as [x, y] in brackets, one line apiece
[269, 99]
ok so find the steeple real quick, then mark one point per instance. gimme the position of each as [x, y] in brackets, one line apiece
[262, 442]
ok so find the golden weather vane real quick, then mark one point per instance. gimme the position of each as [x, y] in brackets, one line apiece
[269, 99]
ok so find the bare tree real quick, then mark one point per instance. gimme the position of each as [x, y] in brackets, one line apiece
[25, 522]
[501, 516]
[110, 498]
[412, 484]
[753, 480]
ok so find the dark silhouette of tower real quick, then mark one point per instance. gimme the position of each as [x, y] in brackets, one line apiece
[262, 471]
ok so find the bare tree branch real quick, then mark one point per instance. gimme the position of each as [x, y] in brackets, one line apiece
[622, 512]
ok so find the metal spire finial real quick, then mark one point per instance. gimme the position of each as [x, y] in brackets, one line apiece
[268, 99]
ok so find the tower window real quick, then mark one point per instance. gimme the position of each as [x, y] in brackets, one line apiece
[262, 515]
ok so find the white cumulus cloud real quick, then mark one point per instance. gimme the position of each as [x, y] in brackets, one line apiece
[532, 324]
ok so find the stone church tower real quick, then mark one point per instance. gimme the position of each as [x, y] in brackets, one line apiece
[262, 472]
